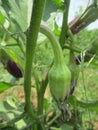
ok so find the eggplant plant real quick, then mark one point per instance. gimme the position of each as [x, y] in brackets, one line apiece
[61, 76]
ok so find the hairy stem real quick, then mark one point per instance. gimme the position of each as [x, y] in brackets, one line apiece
[40, 99]
[64, 29]
[37, 11]
[41, 95]
[58, 56]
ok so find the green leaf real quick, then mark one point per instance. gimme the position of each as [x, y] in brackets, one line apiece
[12, 102]
[14, 57]
[5, 107]
[9, 112]
[2, 18]
[18, 13]
[4, 86]
[57, 2]
[89, 105]
[56, 29]
[47, 104]
[51, 6]
[66, 127]
[54, 128]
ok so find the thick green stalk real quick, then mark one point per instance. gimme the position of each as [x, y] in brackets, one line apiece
[64, 30]
[41, 93]
[58, 56]
[37, 11]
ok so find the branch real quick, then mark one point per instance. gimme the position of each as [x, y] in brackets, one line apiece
[10, 122]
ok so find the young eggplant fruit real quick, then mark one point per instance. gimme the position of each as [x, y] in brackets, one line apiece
[13, 69]
[59, 76]
[59, 81]
[10, 65]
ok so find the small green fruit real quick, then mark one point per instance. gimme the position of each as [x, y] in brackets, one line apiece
[59, 81]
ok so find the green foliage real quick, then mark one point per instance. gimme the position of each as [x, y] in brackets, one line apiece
[59, 2]
[82, 39]
[2, 18]
[50, 7]
[67, 127]
[14, 20]
[4, 86]
[90, 105]
[9, 54]
[10, 110]
[15, 11]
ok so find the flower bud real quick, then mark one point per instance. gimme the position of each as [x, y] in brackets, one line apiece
[72, 90]
[75, 26]
[86, 18]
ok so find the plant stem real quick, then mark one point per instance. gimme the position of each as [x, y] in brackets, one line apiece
[37, 11]
[64, 30]
[54, 119]
[58, 56]
[72, 48]
[40, 99]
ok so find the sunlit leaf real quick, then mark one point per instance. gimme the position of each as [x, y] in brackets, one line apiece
[56, 29]
[4, 86]
[2, 18]
[14, 57]
[89, 105]
[51, 6]
[8, 112]
[66, 127]
[12, 101]
[18, 13]
[58, 2]
[54, 128]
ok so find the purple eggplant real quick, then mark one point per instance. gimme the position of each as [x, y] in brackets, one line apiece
[13, 69]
